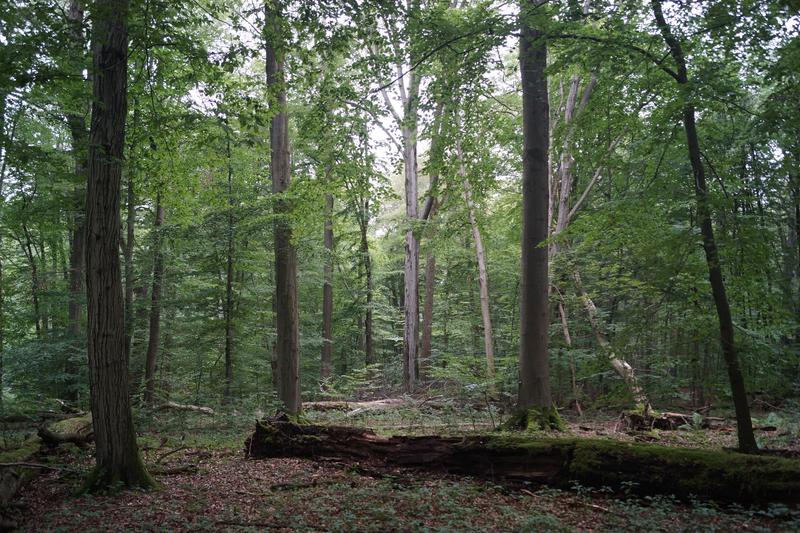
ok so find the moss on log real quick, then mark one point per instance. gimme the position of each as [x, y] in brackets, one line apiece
[719, 475]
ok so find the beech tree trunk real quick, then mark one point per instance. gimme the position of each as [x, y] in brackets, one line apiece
[117, 454]
[534, 364]
[154, 338]
[744, 424]
[327, 292]
[286, 317]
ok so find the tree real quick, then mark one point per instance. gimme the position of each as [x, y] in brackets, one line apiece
[286, 313]
[744, 425]
[117, 455]
[154, 337]
[534, 402]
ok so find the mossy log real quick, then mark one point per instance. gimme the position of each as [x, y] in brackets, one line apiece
[13, 477]
[719, 475]
[76, 430]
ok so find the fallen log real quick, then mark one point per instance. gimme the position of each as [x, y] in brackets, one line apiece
[641, 421]
[18, 466]
[166, 406]
[77, 430]
[717, 475]
[355, 407]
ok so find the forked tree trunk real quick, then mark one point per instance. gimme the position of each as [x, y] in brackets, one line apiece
[327, 292]
[286, 316]
[154, 338]
[744, 424]
[534, 363]
[117, 454]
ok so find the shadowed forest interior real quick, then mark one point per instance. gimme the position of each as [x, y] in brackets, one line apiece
[434, 264]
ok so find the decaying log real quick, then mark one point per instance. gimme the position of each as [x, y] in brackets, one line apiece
[19, 466]
[167, 406]
[639, 421]
[718, 475]
[77, 430]
[354, 407]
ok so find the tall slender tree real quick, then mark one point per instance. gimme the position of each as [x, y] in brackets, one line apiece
[117, 454]
[534, 402]
[154, 337]
[744, 425]
[286, 313]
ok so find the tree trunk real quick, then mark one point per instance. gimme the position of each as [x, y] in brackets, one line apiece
[411, 266]
[534, 365]
[327, 292]
[367, 261]
[483, 276]
[427, 311]
[286, 318]
[79, 134]
[720, 475]
[620, 366]
[154, 338]
[229, 274]
[117, 454]
[744, 425]
[130, 222]
[431, 204]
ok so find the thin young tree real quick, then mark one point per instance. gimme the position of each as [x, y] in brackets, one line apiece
[744, 425]
[117, 454]
[154, 337]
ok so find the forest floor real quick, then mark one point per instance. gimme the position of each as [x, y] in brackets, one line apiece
[226, 492]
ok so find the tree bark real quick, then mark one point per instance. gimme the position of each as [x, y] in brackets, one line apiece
[286, 318]
[744, 425]
[327, 292]
[154, 338]
[534, 365]
[117, 454]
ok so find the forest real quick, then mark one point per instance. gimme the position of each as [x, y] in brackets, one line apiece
[382, 265]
